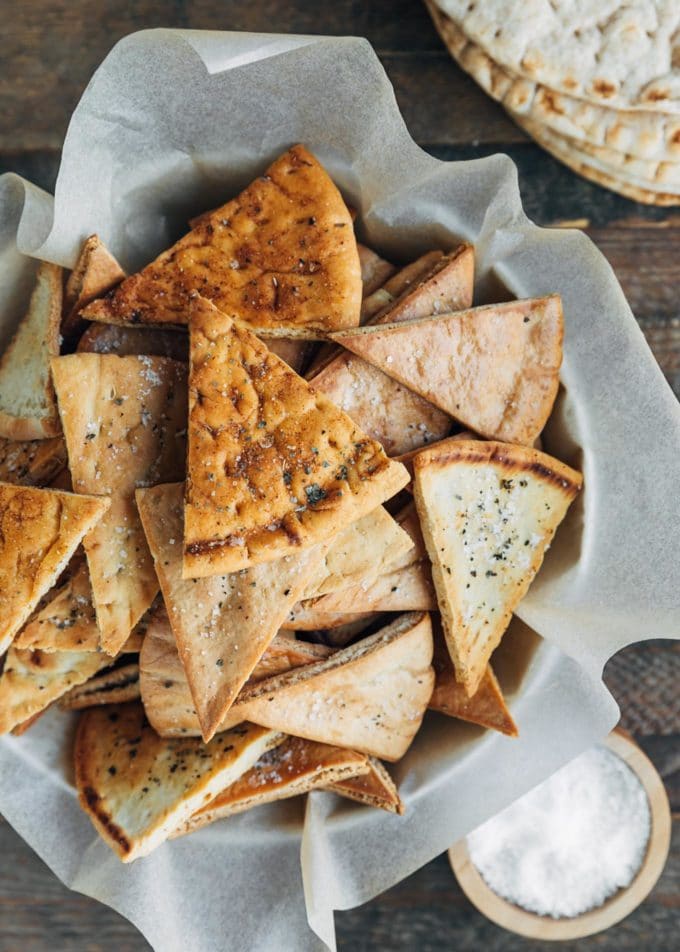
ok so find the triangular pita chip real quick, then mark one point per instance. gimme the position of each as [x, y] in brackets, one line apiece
[117, 686]
[31, 680]
[407, 458]
[487, 705]
[124, 421]
[400, 590]
[222, 624]
[488, 512]
[370, 696]
[129, 341]
[375, 788]
[31, 462]
[377, 301]
[40, 530]
[308, 618]
[281, 256]
[294, 767]
[137, 787]
[494, 368]
[28, 410]
[163, 681]
[374, 270]
[95, 272]
[273, 467]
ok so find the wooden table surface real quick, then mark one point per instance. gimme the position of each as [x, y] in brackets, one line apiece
[48, 51]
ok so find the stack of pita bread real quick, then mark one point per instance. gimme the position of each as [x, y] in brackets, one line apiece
[253, 583]
[596, 84]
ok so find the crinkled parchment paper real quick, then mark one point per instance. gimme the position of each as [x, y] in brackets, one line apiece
[175, 122]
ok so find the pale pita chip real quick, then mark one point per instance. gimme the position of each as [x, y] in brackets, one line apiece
[125, 423]
[404, 589]
[488, 512]
[396, 285]
[370, 696]
[130, 341]
[407, 458]
[95, 272]
[28, 410]
[117, 686]
[309, 618]
[137, 787]
[273, 467]
[31, 462]
[224, 623]
[40, 530]
[31, 680]
[281, 256]
[504, 386]
[292, 768]
[375, 788]
[374, 270]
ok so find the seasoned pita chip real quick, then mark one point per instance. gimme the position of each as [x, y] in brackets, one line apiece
[163, 681]
[375, 271]
[131, 341]
[308, 618]
[487, 705]
[370, 696]
[117, 686]
[40, 530]
[96, 271]
[31, 680]
[28, 410]
[281, 256]
[294, 767]
[493, 368]
[375, 788]
[402, 590]
[222, 624]
[125, 422]
[273, 467]
[488, 512]
[31, 462]
[137, 787]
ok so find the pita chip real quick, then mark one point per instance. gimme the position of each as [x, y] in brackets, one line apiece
[383, 297]
[375, 788]
[493, 368]
[407, 589]
[222, 624]
[370, 696]
[375, 271]
[488, 512]
[282, 256]
[31, 462]
[308, 618]
[407, 458]
[40, 530]
[292, 768]
[342, 635]
[273, 467]
[125, 422]
[131, 341]
[28, 410]
[137, 787]
[96, 271]
[117, 686]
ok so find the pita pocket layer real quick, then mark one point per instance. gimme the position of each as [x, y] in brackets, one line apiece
[405, 589]
[374, 270]
[95, 272]
[130, 341]
[308, 618]
[375, 788]
[294, 767]
[137, 787]
[493, 368]
[31, 462]
[117, 686]
[488, 512]
[273, 467]
[124, 421]
[28, 410]
[281, 256]
[222, 624]
[409, 276]
[370, 697]
[31, 680]
[40, 530]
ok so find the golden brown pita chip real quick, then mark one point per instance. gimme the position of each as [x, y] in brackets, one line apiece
[118, 686]
[375, 788]
[224, 623]
[505, 385]
[282, 255]
[488, 511]
[28, 410]
[96, 271]
[31, 462]
[273, 467]
[370, 696]
[375, 271]
[137, 787]
[125, 423]
[294, 767]
[40, 530]
[131, 341]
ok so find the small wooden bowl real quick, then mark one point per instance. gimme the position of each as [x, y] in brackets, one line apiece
[616, 908]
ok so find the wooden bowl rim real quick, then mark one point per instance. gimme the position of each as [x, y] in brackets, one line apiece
[614, 909]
